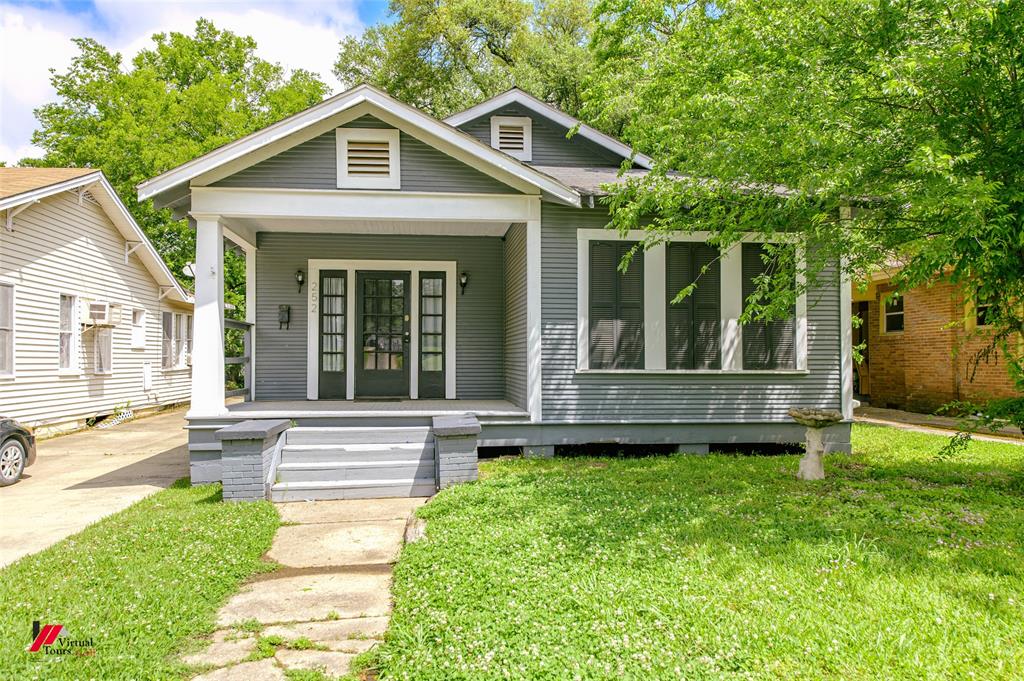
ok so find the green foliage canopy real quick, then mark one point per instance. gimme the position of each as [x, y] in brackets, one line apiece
[180, 98]
[911, 112]
[444, 56]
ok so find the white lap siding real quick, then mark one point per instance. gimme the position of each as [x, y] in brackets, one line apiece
[60, 247]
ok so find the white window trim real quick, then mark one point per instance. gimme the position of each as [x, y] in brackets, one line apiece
[414, 267]
[136, 344]
[656, 306]
[4, 376]
[389, 135]
[884, 316]
[97, 332]
[527, 124]
[76, 336]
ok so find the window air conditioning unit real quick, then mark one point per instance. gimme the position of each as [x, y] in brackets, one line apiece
[100, 313]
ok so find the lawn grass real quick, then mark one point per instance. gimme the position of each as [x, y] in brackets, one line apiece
[899, 565]
[141, 584]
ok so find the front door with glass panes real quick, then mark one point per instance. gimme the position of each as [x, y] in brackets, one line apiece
[382, 329]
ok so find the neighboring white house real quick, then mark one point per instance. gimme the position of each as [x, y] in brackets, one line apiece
[91, 319]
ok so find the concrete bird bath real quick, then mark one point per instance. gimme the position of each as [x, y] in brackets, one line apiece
[811, 466]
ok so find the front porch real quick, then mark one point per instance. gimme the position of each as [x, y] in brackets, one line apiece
[359, 410]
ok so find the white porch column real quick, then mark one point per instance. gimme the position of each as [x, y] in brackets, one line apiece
[732, 308]
[208, 331]
[534, 394]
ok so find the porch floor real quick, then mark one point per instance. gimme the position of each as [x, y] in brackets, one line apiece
[264, 409]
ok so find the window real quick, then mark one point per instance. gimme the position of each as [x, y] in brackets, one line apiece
[693, 325]
[103, 349]
[6, 329]
[176, 347]
[368, 158]
[167, 337]
[138, 329]
[188, 339]
[513, 135]
[981, 315]
[68, 332]
[766, 344]
[616, 307]
[892, 320]
[179, 339]
[432, 294]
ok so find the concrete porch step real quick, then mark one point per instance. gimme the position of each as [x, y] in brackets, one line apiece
[398, 469]
[306, 435]
[349, 489]
[302, 453]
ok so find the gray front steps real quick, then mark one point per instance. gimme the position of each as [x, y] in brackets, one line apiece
[355, 463]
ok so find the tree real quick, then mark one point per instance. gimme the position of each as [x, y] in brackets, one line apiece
[880, 132]
[179, 99]
[444, 56]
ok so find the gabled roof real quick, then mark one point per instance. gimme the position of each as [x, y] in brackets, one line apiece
[444, 135]
[16, 181]
[21, 187]
[517, 96]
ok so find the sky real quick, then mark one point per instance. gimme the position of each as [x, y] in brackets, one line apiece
[35, 36]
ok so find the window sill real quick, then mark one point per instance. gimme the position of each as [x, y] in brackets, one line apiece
[69, 373]
[6, 377]
[171, 370]
[698, 372]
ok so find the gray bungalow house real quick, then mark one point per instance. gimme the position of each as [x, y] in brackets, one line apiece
[420, 288]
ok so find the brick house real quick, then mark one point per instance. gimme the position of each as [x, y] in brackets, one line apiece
[921, 346]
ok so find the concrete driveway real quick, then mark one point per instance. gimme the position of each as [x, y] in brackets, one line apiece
[79, 478]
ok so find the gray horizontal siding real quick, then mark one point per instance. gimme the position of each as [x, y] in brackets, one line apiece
[281, 354]
[313, 165]
[571, 398]
[515, 315]
[550, 147]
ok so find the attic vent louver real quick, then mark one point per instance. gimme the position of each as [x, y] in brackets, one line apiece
[368, 158]
[511, 138]
[513, 135]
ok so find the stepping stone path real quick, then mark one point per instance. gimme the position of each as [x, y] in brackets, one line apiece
[332, 594]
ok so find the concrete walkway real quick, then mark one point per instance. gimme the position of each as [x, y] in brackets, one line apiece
[929, 423]
[82, 477]
[329, 601]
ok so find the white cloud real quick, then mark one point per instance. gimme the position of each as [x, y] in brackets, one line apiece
[33, 40]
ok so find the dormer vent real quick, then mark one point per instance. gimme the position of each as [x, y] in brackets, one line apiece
[513, 135]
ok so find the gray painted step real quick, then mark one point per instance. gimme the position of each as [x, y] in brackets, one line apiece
[369, 452]
[339, 489]
[356, 470]
[357, 436]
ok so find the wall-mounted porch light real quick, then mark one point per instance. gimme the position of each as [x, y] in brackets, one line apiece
[463, 281]
[300, 279]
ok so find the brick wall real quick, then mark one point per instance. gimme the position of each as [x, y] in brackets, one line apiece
[928, 364]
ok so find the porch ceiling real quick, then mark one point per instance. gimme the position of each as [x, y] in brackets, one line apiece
[347, 226]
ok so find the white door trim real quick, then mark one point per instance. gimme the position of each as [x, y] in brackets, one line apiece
[413, 267]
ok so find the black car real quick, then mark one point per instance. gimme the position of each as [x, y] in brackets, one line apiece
[17, 450]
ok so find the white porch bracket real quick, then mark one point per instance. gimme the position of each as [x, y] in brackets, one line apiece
[129, 248]
[165, 291]
[13, 211]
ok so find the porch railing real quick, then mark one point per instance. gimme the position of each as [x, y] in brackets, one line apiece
[244, 359]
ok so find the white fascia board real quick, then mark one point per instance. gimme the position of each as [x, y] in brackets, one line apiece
[516, 96]
[258, 203]
[449, 140]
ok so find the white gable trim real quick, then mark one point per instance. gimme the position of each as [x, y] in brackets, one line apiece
[111, 204]
[517, 96]
[458, 144]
